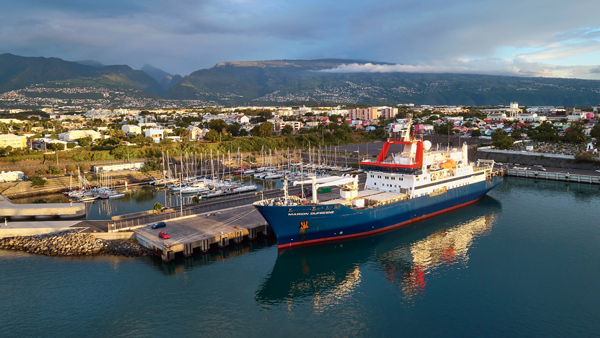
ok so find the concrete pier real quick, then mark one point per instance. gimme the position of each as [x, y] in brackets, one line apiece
[41, 210]
[200, 232]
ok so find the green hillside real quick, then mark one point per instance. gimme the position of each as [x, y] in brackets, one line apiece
[298, 81]
[17, 72]
[281, 81]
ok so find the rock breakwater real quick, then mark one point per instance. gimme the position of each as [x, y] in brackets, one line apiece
[69, 243]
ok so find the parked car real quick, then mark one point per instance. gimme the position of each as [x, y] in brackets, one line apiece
[164, 235]
[598, 170]
[542, 169]
[159, 225]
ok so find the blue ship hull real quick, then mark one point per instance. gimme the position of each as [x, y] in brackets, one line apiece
[307, 224]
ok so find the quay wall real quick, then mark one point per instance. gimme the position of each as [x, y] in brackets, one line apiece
[552, 176]
[546, 161]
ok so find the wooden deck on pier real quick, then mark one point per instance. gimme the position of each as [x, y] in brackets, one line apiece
[203, 230]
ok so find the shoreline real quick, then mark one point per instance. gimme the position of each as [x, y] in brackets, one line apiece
[73, 243]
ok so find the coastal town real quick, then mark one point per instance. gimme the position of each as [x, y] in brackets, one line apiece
[206, 152]
[116, 132]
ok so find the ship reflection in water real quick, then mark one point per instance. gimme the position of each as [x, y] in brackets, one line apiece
[406, 258]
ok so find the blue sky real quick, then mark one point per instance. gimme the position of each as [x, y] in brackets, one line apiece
[510, 37]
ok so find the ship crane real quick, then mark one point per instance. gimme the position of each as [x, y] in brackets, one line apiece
[346, 182]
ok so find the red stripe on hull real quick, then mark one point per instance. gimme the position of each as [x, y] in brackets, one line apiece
[371, 232]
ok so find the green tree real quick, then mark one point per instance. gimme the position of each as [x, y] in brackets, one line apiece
[266, 129]
[595, 132]
[120, 152]
[575, 133]
[166, 142]
[287, 130]
[504, 143]
[218, 125]
[211, 135]
[234, 129]
[71, 145]
[498, 134]
[56, 146]
[476, 133]
[255, 131]
[85, 141]
[445, 129]
[516, 134]
[157, 207]
[545, 132]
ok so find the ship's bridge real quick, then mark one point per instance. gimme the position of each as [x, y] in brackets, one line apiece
[408, 161]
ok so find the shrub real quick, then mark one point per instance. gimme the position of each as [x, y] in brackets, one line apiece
[53, 170]
[71, 169]
[37, 181]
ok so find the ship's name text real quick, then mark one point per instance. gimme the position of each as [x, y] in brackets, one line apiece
[312, 213]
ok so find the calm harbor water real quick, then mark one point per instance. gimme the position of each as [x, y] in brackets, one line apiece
[139, 198]
[521, 262]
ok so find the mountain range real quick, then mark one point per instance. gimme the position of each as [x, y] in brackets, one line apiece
[300, 81]
[17, 72]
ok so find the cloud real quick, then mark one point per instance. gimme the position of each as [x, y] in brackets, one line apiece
[491, 66]
[541, 37]
[595, 70]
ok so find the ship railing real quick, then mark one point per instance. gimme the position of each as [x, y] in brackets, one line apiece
[281, 201]
[482, 168]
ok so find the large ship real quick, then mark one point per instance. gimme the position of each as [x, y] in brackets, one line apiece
[401, 188]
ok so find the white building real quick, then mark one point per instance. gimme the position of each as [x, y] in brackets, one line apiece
[195, 133]
[342, 112]
[241, 119]
[532, 117]
[77, 134]
[132, 129]
[155, 134]
[11, 176]
[118, 167]
[514, 109]
[496, 116]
